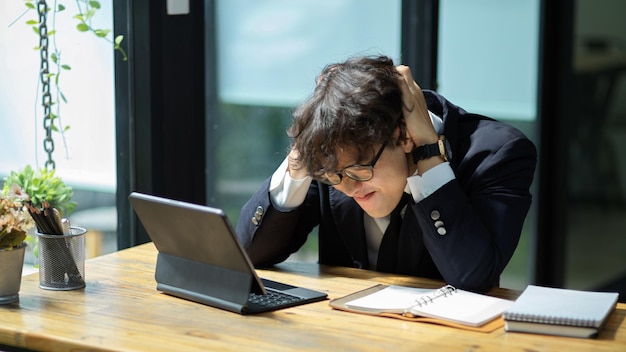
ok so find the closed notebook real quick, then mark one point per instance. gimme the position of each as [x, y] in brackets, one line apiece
[563, 312]
[446, 306]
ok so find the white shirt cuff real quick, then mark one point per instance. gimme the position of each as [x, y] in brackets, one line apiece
[287, 193]
[433, 179]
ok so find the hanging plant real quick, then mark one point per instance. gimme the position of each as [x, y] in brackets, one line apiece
[52, 66]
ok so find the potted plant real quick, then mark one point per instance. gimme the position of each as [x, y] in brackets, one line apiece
[40, 185]
[15, 221]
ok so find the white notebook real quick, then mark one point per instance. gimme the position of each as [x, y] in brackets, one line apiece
[447, 303]
[556, 311]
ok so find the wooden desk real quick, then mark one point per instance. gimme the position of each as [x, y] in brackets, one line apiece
[121, 310]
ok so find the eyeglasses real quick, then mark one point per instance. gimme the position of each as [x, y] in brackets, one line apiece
[360, 173]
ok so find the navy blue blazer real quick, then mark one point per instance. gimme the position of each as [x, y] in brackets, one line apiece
[482, 211]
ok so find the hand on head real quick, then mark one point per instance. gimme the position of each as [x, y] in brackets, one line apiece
[419, 126]
[296, 170]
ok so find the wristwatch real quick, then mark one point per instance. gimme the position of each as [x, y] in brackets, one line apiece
[441, 148]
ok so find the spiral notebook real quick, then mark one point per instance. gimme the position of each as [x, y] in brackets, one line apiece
[445, 306]
[557, 311]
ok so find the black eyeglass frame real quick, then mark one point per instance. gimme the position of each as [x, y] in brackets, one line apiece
[345, 171]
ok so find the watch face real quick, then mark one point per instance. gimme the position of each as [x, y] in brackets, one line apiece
[444, 148]
[447, 150]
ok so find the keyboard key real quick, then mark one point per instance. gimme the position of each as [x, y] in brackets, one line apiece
[272, 299]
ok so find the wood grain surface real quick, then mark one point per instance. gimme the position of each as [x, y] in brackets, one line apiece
[121, 310]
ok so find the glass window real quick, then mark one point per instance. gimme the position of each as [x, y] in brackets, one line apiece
[490, 67]
[85, 155]
[270, 51]
[269, 54]
[596, 137]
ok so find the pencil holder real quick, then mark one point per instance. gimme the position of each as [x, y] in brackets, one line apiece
[62, 260]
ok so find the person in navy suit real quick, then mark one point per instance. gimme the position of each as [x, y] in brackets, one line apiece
[397, 179]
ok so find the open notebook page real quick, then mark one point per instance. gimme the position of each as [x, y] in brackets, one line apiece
[460, 306]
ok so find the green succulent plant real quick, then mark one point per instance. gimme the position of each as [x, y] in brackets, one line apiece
[42, 185]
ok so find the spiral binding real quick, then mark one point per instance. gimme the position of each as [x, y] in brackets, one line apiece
[423, 300]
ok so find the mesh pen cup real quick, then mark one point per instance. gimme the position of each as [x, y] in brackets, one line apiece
[62, 260]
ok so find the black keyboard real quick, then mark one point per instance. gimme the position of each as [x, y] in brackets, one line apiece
[272, 298]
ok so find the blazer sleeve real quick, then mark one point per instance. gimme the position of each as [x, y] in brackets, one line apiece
[269, 235]
[471, 226]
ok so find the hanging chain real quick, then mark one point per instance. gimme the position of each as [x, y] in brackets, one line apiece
[46, 97]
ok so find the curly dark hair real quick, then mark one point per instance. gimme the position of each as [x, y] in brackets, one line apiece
[357, 104]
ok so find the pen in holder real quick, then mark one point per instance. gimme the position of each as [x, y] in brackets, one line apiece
[61, 249]
[62, 260]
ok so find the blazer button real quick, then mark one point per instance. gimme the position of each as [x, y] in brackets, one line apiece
[436, 216]
[258, 214]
